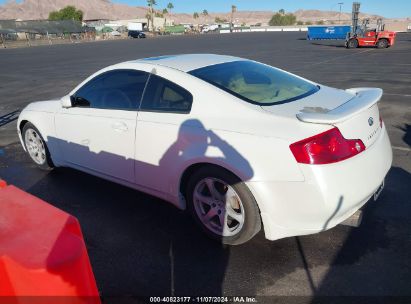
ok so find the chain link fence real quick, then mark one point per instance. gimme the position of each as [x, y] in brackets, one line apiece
[37, 32]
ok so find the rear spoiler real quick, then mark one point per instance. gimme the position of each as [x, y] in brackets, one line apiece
[364, 98]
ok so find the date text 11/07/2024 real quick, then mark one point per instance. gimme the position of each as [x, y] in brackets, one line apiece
[222, 299]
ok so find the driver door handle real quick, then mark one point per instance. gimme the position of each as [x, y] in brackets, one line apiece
[119, 126]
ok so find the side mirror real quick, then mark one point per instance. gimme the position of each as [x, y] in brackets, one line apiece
[79, 102]
[66, 102]
[71, 101]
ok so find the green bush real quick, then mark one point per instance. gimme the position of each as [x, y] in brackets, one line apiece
[67, 13]
[282, 19]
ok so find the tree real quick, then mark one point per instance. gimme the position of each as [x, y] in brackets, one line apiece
[278, 19]
[233, 10]
[165, 12]
[196, 15]
[148, 17]
[68, 13]
[205, 12]
[320, 22]
[308, 23]
[170, 6]
[151, 4]
[300, 23]
[282, 11]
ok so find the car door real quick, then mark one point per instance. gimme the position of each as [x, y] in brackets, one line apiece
[164, 111]
[98, 132]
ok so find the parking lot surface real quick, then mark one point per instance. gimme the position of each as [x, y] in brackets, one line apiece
[140, 245]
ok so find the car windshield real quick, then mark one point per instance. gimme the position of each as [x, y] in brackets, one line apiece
[255, 82]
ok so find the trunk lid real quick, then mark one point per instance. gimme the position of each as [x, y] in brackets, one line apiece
[354, 111]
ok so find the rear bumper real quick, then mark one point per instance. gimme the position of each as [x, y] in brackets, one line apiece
[328, 195]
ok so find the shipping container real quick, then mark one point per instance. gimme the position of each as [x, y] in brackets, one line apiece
[135, 26]
[336, 32]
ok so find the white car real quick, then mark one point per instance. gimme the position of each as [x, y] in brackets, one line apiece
[240, 144]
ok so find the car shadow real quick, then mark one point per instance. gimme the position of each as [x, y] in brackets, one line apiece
[329, 44]
[407, 136]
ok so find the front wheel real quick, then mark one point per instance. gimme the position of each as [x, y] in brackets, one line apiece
[36, 147]
[352, 44]
[223, 206]
[382, 44]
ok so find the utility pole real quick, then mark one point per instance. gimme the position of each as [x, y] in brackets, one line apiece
[339, 16]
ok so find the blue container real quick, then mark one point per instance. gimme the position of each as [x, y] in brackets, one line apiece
[337, 32]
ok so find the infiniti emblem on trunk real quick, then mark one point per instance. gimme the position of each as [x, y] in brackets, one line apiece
[370, 121]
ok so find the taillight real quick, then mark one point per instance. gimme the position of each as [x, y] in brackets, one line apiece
[325, 148]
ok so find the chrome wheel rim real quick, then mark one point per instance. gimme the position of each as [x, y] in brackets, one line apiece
[219, 207]
[35, 146]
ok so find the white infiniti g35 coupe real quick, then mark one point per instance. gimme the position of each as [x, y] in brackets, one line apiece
[240, 144]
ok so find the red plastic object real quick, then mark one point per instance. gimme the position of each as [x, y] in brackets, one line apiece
[42, 253]
[3, 184]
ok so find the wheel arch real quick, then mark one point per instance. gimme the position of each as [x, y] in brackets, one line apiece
[386, 39]
[189, 171]
[44, 123]
[22, 123]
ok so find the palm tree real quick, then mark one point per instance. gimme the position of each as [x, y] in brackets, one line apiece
[151, 4]
[165, 12]
[148, 17]
[233, 10]
[205, 12]
[170, 6]
[196, 15]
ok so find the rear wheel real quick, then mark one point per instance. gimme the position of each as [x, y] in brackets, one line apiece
[352, 43]
[382, 43]
[223, 206]
[36, 147]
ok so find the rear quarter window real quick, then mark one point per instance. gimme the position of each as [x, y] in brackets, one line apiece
[162, 95]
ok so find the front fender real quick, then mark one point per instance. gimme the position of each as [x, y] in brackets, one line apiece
[44, 123]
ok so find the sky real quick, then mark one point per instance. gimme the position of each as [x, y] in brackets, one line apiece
[386, 8]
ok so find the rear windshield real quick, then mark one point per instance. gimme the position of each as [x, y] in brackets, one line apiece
[255, 82]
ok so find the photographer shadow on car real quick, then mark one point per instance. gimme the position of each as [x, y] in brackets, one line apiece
[167, 254]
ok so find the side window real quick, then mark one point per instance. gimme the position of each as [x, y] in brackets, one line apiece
[162, 95]
[120, 89]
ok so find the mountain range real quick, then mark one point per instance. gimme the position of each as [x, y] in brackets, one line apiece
[105, 9]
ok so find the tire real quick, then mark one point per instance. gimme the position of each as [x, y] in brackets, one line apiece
[352, 44]
[36, 147]
[382, 44]
[209, 204]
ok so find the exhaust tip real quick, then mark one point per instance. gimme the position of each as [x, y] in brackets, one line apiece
[354, 220]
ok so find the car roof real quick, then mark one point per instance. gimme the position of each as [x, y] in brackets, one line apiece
[189, 62]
